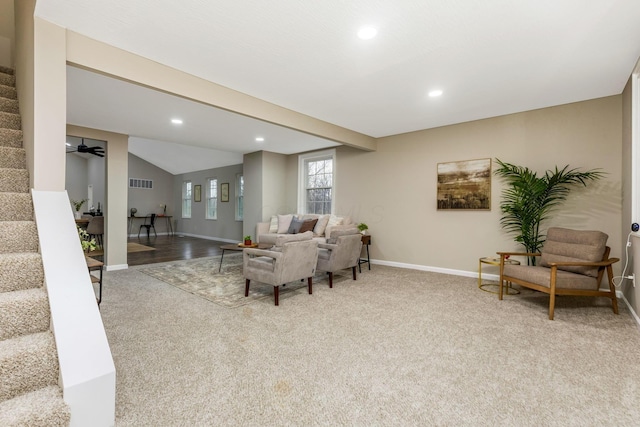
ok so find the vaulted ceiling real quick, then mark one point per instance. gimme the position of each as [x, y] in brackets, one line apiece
[488, 58]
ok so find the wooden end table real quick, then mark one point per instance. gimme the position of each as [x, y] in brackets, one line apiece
[235, 247]
[94, 264]
[366, 241]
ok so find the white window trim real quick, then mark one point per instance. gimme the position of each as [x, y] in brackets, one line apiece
[208, 196]
[635, 144]
[236, 196]
[182, 199]
[302, 158]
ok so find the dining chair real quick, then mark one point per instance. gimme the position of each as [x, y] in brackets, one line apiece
[95, 229]
[149, 223]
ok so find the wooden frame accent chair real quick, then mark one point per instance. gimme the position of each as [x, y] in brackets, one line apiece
[293, 257]
[572, 262]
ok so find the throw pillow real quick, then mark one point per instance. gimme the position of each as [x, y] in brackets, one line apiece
[284, 221]
[308, 225]
[321, 225]
[295, 226]
[273, 225]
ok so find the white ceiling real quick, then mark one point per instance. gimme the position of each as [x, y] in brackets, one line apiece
[490, 58]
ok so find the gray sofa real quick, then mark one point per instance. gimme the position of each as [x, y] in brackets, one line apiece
[267, 232]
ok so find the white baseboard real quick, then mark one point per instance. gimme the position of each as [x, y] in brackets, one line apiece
[117, 267]
[474, 274]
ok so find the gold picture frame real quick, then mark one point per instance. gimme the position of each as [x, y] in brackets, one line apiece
[224, 192]
[197, 193]
[465, 185]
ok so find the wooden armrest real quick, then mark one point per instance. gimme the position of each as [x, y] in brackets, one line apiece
[519, 253]
[604, 263]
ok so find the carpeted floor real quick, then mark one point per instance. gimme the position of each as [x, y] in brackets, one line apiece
[396, 347]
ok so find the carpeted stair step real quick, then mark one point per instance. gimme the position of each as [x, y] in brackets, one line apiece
[9, 105]
[11, 138]
[16, 207]
[7, 79]
[18, 236]
[6, 70]
[41, 408]
[13, 158]
[23, 312]
[10, 121]
[14, 180]
[8, 92]
[27, 363]
[20, 271]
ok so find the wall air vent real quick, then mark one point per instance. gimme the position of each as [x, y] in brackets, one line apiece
[140, 183]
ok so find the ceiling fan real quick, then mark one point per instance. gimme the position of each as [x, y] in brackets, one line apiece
[83, 148]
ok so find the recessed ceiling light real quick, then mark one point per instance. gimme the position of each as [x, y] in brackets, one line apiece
[435, 93]
[259, 139]
[176, 121]
[367, 33]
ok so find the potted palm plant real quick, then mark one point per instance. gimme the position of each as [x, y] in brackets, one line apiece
[529, 199]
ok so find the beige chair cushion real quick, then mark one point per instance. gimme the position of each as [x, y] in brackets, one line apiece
[285, 238]
[565, 245]
[540, 276]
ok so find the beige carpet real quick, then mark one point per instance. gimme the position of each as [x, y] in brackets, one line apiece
[225, 287]
[131, 247]
[394, 348]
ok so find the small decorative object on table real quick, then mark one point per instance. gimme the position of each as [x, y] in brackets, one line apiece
[247, 240]
[363, 228]
[133, 211]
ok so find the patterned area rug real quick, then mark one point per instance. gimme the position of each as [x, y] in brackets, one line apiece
[226, 288]
[131, 247]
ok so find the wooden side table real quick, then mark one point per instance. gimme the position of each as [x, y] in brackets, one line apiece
[495, 261]
[366, 241]
[94, 264]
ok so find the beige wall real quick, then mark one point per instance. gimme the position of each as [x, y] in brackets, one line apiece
[24, 73]
[393, 189]
[252, 171]
[274, 175]
[116, 188]
[7, 33]
[225, 227]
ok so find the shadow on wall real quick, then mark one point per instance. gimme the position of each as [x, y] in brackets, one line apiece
[586, 204]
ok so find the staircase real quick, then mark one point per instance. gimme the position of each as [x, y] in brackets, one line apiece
[29, 369]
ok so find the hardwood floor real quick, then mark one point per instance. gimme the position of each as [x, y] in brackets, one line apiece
[171, 248]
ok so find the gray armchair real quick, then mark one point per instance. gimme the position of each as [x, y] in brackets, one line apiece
[294, 257]
[341, 251]
[572, 262]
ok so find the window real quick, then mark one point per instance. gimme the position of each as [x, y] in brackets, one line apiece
[239, 197]
[212, 198]
[316, 182]
[186, 199]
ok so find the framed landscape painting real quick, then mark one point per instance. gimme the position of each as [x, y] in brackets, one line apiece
[464, 185]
